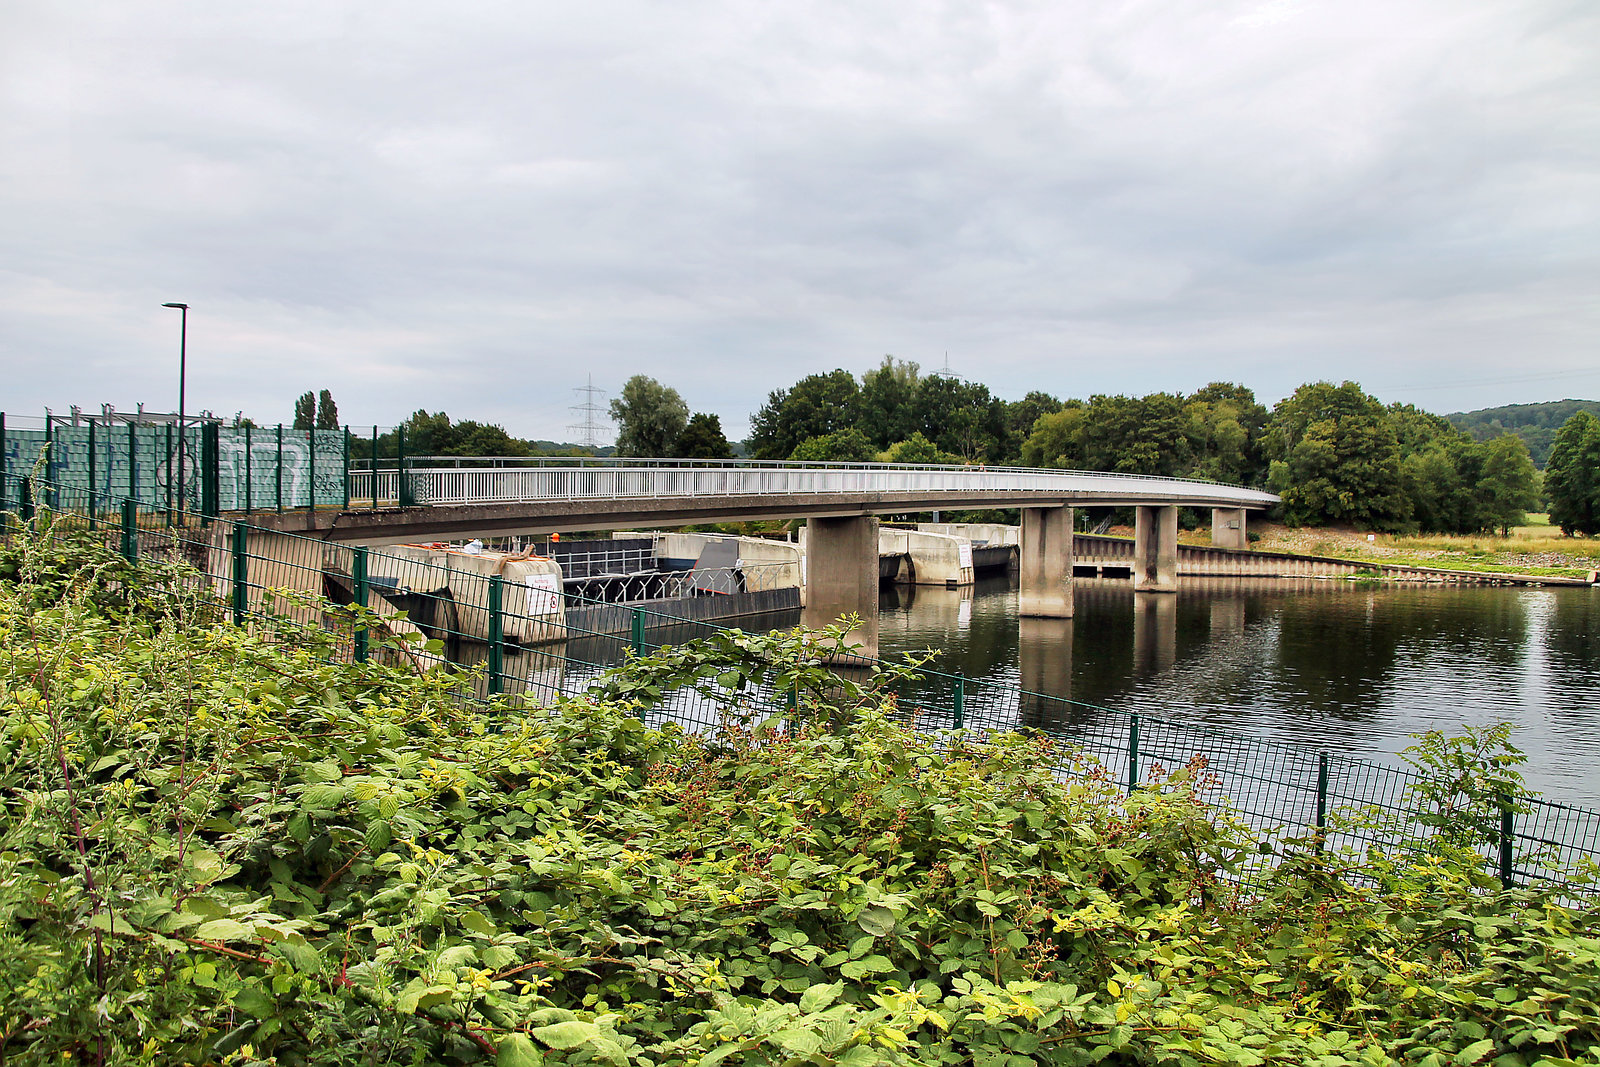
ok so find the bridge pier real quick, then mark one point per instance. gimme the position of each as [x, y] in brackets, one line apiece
[1229, 528]
[842, 576]
[1044, 587]
[1155, 549]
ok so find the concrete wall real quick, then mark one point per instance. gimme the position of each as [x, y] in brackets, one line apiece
[935, 558]
[989, 533]
[530, 591]
[780, 560]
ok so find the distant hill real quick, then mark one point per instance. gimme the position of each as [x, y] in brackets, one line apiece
[567, 448]
[1536, 424]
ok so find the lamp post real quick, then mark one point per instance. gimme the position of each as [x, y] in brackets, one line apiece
[183, 347]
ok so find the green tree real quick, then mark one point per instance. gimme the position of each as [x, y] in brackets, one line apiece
[702, 438]
[327, 411]
[916, 449]
[649, 416]
[961, 417]
[1226, 431]
[815, 406]
[1509, 485]
[305, 411]
[1057, 439]
[1336, 459]
[887, 410]
[848, 445]
[1572, 477]
[1020, 416]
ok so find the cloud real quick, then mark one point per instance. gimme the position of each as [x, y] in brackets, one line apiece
[474, 210]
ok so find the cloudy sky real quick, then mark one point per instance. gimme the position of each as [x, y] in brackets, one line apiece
[476, 206]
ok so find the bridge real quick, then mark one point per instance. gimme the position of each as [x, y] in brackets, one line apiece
[840, 503]
[306, 482]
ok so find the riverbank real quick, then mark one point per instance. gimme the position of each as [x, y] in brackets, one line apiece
[1536, 548]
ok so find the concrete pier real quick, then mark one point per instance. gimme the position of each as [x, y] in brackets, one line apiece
[842, 577]
[1155, 550]
[1045, 571]
[1229, 528]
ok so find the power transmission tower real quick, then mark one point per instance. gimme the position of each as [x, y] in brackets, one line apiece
[588, 430]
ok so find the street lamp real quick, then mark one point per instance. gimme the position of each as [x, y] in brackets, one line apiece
[183, 347]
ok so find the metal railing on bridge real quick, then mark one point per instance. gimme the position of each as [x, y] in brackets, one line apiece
[1288, 790]
[486, 480]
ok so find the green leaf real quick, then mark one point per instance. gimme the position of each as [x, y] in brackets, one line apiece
[566, 1035]
[252, 1001]
[1474, 1052]
[799, 1042]
[517, 1051]
[820, 996]
[876, 920]
[224, 930]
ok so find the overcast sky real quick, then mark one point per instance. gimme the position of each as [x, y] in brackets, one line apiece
[475, 206]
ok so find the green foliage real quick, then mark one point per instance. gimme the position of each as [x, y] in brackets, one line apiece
[815, 406]
[916, 449]
[327, 411]
[1336, 459]
[1534, 424]
[888, 410]
[222, 845]
[1572, 477]
[305, 411]
[702, 438]
[650, 417]
[848, 445]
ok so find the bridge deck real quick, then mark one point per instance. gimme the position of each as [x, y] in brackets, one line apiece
[547, 499]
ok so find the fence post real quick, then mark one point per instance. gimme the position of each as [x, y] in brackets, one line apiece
[211, 471]
[346, 467]
[94, 507]
[25, 498]
[1322, 798]
[402, 483]
[372, 466]
[279, 475]
[1506, 830]
[4, 475]
[358, 578]
[1133, 752]
[133, 461]
[130, 529]
[311, 474]
[249, 474]
[637, 631]
[169, 474]
[496, 632]
[958, 700]
[241, 572]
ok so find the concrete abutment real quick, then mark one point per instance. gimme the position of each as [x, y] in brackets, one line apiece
[841, 563]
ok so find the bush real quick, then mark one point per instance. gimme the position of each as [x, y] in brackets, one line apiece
[221, 844]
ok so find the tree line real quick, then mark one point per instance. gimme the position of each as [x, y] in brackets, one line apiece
[1334, 453]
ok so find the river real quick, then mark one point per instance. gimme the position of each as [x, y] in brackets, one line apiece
[1349, 668]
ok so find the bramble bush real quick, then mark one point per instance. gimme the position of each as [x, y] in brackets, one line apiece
[220, 844]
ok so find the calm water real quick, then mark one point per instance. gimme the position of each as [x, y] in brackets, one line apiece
[1334, 665]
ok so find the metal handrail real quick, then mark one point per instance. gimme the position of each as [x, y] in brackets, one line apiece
[687, 478]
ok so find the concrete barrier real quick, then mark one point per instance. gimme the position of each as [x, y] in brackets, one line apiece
[530, 591]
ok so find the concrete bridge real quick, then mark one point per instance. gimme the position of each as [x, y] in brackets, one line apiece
[840, 503]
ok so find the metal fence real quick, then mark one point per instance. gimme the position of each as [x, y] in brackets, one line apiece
[466, 612]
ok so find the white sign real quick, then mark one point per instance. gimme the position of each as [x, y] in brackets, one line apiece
[964, 554]
[544, 593]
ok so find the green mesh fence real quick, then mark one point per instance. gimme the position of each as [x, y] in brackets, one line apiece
[431, 614]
